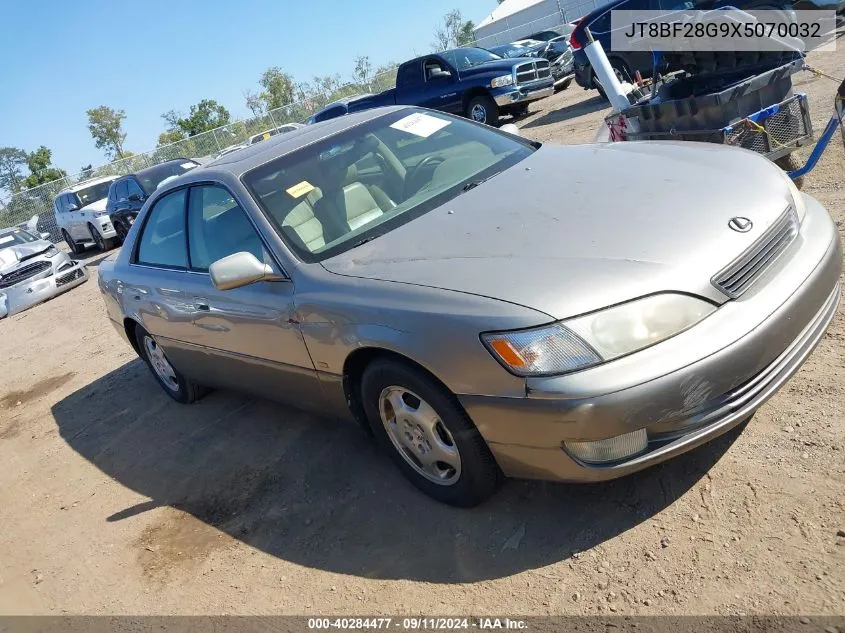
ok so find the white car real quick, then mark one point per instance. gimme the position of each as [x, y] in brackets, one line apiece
[263, 136]
[82, 217]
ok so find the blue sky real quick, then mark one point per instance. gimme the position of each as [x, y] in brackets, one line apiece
[146, 58]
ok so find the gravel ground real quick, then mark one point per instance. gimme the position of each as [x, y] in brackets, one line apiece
[113, 499]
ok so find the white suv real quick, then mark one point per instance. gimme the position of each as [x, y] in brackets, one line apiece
[82, 217]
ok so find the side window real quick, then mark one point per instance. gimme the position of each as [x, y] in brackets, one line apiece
[217, 227]
[163, 239]
[120, 191]
[409, 75]
[132, 187]
[59, 204]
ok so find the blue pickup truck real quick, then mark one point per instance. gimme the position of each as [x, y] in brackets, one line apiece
[471, 82]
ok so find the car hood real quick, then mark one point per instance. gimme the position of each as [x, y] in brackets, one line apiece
[11, 256]
[574, 229]
[96, 206]
[506, 64]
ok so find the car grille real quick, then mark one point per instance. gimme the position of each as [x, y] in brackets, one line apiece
[532, 71]
[66, 279]
[23, 273]
[740, 274]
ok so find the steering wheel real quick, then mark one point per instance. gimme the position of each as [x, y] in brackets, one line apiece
[414, 173]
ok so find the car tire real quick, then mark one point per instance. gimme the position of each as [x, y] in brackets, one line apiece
[791, 163]
[102, 243]
[171, 379]
[121, 232]
[75, 248]
[427, 423]
[482, 109]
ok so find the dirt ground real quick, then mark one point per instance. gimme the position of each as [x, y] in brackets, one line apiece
[114, 499]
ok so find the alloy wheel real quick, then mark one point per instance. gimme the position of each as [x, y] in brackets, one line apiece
[161, 366]
[479, 113]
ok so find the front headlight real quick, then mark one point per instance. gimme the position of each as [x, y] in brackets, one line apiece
[597, 337]
[797, 198]
[100, 214]
[51, 252]
[499, 82]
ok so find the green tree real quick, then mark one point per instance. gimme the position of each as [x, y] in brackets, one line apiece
[278, 88]
[202, 117]
[41, 169]
[12, 162]
[254, 103]
[106, 127]
[363, 70]
[86, 172]
[453, 32]
[169, 137]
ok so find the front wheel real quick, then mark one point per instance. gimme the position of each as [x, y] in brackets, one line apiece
[121, 232]
[75, 248]
[102, 243]
[791, 163]
[482, 109]
[171, 379]
[428, 435]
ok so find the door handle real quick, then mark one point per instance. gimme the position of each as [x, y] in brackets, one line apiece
[201, 304]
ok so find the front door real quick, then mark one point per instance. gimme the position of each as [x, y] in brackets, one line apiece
[441, 86]
[245, 338]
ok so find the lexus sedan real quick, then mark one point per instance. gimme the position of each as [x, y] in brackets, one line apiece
[33, 270]
[418, 272]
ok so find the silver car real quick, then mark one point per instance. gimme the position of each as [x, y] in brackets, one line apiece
[420, 273]
[33, 270]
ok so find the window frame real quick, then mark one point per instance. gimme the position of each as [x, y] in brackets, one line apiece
[133, 257]
[132, 179]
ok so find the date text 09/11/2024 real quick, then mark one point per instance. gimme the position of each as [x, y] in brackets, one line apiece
[416, 623]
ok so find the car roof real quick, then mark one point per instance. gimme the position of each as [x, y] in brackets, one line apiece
[156, 167]
[252, 156]
[87, 183]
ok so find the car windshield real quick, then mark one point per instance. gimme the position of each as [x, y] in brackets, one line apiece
[368, 180]
[509, 50]
[151, 178]
[15, 238]
[93, 193]
[463, 58]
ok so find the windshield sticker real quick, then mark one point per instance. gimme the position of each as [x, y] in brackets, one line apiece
[420, 124]
[5, 239]
[187, 165]
[297, 191]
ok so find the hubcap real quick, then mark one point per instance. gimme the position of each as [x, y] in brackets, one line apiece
[417, 432]
[161, 366]
[479, 113]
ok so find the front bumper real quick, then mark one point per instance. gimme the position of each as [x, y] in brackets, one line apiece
[698, 401]
[41, 288]
[523, 94]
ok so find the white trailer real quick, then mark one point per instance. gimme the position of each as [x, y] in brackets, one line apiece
[517, 19]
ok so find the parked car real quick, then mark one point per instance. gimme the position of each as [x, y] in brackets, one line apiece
[626, 63]
[127, 194]
[557, 52]
[33, 270]
[82, 217]
[472, 82]
[415, 270]
[335, 109]
[263, 136]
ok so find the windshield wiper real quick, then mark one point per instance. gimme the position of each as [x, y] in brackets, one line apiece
[364, 241]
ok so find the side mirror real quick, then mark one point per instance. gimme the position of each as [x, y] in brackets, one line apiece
[510, 128]
[440, 75]
[45, 236]
[135, 197]
[240, 269]
[72, 207]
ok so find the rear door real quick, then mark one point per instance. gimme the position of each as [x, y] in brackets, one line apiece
[75, 223]
[245, 338]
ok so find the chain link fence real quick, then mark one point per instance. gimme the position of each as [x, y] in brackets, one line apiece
[39, 200]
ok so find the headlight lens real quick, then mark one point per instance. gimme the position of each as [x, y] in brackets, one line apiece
[51, 252]
[597, 337]
[499, 82]
[797, 198]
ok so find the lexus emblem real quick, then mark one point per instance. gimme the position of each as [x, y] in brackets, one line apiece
[740, 224]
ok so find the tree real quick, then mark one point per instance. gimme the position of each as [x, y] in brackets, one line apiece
[254, 103]
[277, 87]
[363, 70]
[105, 125]
[40, 168]
[454, 32]
[12, 161]
[202, 117]
[86, 172]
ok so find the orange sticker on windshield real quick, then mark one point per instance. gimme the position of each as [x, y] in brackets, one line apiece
[297, 191]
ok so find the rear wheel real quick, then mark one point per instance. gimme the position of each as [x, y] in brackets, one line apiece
[121, 232]
[171, 380]
[75, 248]
[483, 109]
[102, 243]
[428, 435]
